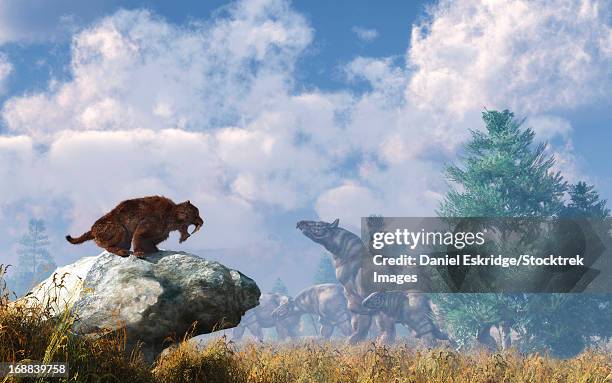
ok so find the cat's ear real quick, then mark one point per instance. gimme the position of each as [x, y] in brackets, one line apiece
[334, 224]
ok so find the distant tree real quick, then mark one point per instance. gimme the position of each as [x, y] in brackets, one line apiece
[326, 272]
[470, 317]
[585, 202]
[279, 287]
[565, 324]
[34, 262]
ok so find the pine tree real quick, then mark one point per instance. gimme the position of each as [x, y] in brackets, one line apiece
[564, 324]
[585, 202]
[326, 273]
[504, 175]
[279, 287]
[34, 262]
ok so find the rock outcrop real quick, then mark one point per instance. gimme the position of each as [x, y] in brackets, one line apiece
[157, 297]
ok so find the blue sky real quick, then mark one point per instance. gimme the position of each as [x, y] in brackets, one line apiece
[334, 26]
[266, 112]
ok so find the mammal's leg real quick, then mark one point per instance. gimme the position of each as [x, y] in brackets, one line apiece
[354, 301]
[360, 317]
[112, 236]
[387, 328]
[345, 327]
[419, 318]
[361, 326]
[327, 329]
[291, 329]
[146, 238]
[484, 337]
[281, 331]
[505, 333]
[256, 330]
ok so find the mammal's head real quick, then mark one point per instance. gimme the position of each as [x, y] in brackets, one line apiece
[285, 310]
[186, 214]
[318, 231]
[374, 301]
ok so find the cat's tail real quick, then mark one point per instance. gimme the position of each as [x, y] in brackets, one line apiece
[83, 238]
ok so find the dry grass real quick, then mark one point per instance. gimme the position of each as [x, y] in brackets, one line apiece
[222, 362]
[30, 333]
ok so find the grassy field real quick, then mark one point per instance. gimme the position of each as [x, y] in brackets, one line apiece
[325, 362]
[30, 334]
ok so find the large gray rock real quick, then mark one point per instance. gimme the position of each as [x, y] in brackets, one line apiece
[156, 297]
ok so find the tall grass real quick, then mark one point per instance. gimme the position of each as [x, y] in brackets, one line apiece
[32, 333]
[222, 362]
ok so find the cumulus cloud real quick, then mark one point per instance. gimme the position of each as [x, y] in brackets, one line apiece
[233, 78]
[200, 111]
[92, 170]
[557, 133]
[530, 56]
[412, 189]
[365, 34]
[568, 162]
[210, 111]
[349, 201]
[526, 56]
[548, 127]
[134, 70]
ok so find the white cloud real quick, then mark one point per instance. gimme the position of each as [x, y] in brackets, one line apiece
[365, 34]
[95, 170]
[529, 56]
[548, 127]
[410, 189]
[557, 133]
[134, 70]
[349, 202]
[209, 111]
[568, 162]
[203, 112]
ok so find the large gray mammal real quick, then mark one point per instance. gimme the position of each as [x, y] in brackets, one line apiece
[261, 317]
[327, 301]
[412, 309]
[348, 252]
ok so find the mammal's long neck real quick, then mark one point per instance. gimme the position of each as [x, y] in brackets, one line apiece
[344, 245]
